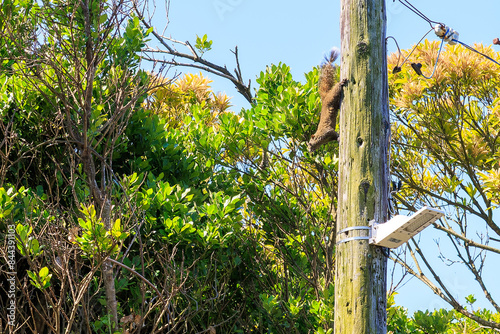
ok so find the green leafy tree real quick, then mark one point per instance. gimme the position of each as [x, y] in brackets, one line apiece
[289, 195]
[69, 86]
[289, 201]
[445, 151]
[213, 220]
[437, 321]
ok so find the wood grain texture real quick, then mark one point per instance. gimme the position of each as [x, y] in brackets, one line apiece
[361, 269]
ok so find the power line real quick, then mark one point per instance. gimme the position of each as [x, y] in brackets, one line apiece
[398, 68]
[417, 66]
[442, 31]
[472, 49]
[419, 13]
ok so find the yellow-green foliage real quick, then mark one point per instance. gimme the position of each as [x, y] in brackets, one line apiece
[173, 99]
[458, 109]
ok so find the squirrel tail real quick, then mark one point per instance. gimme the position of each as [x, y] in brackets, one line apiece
[331, 56]
[328, 72]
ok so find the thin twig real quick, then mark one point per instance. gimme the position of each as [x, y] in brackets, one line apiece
[144, 279]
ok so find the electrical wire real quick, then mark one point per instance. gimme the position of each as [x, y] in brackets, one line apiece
[435, 65]
[417, 67]
[419, 13]
[399, 53]
[420, 41]
[472, 49]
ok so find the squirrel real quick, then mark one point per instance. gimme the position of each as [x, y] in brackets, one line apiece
[330, 92]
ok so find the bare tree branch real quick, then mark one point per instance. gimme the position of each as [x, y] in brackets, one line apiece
[197, 61]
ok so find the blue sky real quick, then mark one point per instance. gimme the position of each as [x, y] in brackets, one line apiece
[299, 33]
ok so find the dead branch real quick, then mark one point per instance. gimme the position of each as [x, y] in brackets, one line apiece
[196, 61]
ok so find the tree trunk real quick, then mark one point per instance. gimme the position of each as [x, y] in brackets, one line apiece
[361, 268]
[99, 196]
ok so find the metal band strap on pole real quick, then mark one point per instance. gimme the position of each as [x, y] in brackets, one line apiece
[353, 238]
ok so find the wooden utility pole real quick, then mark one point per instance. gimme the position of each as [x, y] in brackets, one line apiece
[361, 268]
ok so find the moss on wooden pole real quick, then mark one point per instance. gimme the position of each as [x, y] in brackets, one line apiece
[361, 268]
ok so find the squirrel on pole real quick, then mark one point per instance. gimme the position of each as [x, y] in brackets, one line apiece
[330, 92]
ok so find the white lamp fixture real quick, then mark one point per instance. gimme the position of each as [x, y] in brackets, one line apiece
[401, 228]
